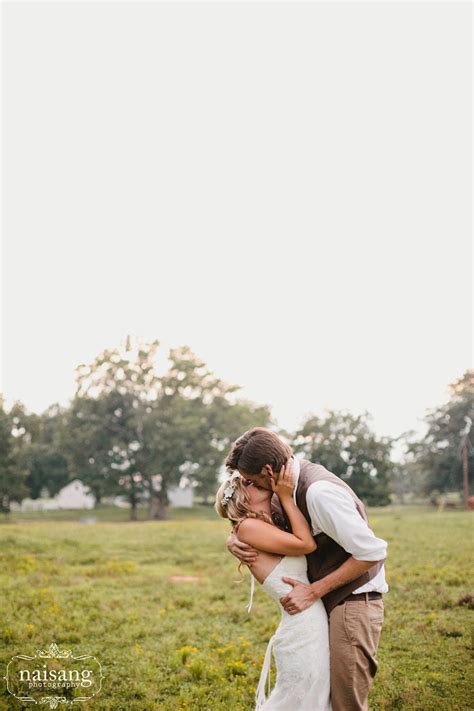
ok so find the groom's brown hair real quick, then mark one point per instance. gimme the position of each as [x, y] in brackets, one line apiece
[255, 448]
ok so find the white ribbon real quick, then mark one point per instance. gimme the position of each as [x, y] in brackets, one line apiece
[260, 696]
[252, 588]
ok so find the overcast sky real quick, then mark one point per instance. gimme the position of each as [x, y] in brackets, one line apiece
[286, 188]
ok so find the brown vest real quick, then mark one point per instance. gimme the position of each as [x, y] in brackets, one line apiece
[329, 555]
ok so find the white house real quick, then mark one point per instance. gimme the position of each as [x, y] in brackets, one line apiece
[72, 496]
[75, 495]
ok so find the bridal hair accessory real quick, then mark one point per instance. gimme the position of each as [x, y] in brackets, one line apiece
[229, 492]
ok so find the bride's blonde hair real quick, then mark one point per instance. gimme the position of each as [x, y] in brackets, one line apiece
[234, 505]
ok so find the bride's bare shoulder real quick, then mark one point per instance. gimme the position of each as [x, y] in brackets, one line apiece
[249, 526]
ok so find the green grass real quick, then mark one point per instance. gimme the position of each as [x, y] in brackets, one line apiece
[104, 513]
[105, 589]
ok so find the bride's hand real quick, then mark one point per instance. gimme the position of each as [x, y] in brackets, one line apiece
[284, 485]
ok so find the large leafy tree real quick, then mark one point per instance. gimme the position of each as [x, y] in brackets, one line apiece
[12, 474]
[132, 431]
[437, 456]
[104, 434]
[191, 426]
[88, 441]
[225, 421]
[346, 445]
[39, 446]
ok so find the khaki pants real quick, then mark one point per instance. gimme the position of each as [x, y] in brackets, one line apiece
[354, 634]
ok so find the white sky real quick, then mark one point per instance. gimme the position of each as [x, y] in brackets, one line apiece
[286, 188]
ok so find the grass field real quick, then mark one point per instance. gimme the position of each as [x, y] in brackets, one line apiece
[105, 589]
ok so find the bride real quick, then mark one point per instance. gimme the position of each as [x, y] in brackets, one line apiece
[301, 642]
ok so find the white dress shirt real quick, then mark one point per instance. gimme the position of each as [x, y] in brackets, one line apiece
[333, 511]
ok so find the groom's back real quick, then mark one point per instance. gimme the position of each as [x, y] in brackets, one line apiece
[310, 473]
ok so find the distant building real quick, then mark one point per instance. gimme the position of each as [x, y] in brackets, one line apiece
[74, 495]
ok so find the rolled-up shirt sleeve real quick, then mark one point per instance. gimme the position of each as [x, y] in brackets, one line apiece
[333, 511]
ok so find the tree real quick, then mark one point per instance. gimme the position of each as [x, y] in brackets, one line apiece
[190, 427]
[437, 454]
[130, 430]
[39, 448]
[104, 436]
[346, 445]
[12, 476]
[222, 423]
[88, 442]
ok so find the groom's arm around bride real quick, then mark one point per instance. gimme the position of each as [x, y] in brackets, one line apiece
[333, 512]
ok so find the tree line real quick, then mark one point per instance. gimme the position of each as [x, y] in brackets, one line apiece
[133, 431]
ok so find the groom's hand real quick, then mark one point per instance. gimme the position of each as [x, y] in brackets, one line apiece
[245, 553]
[301, 597]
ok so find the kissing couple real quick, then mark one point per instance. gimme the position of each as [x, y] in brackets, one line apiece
[305, 537]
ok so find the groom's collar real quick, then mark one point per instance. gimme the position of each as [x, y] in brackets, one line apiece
[296, 473]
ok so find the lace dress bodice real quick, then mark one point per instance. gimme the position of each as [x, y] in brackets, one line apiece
[300, 646]
[293, 567]
[290, 566]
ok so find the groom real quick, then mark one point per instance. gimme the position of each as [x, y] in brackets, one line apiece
[346, 570]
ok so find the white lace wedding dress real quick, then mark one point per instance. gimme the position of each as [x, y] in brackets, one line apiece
[300, 646]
